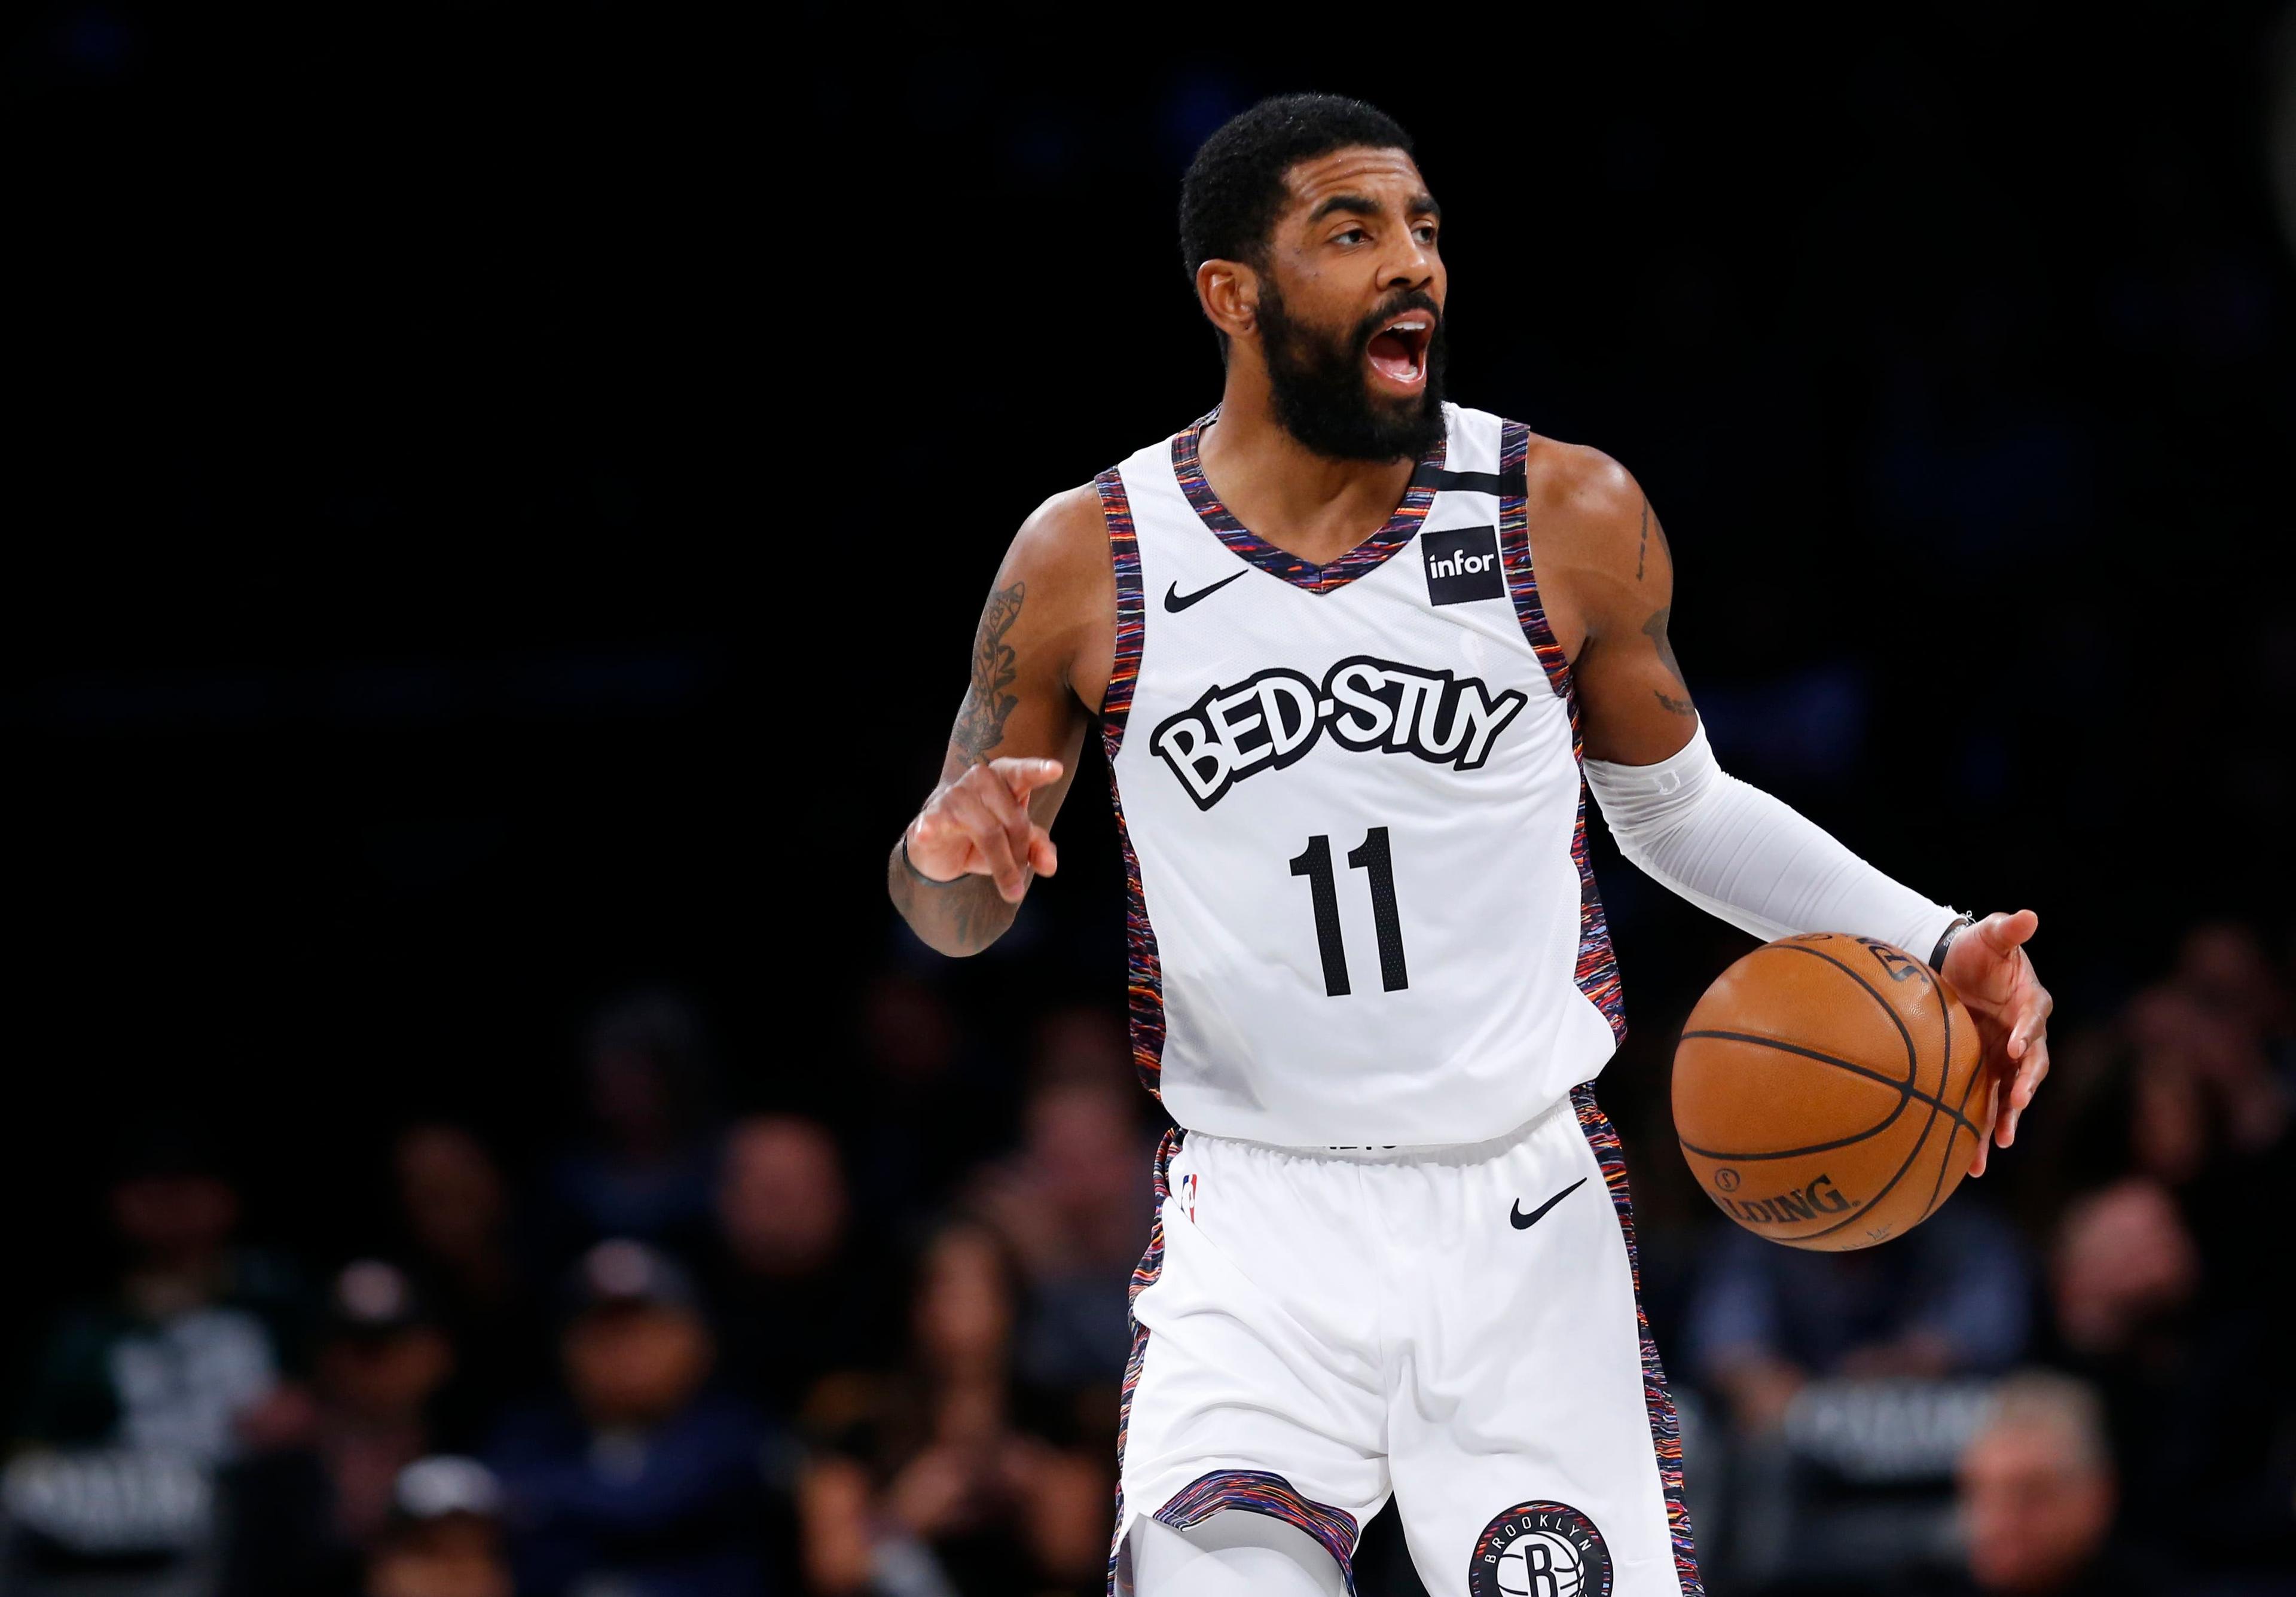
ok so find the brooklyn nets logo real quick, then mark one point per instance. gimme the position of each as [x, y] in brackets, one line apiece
[1541, 1549]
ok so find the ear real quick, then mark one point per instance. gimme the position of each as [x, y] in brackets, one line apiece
[1229, 292]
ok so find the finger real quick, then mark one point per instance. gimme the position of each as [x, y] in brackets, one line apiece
[1043, 857]
[1024, 776]
[2004, 933]
[1977, 1165]
[989, 840]
[1012, 814]
[2029, 1076]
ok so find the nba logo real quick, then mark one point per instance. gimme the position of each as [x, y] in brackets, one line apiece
[1188, 1195]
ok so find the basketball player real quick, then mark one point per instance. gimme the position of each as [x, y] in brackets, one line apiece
[1351, 647]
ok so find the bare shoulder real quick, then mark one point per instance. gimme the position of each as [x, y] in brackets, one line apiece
[1065, 537]
[1602, 558]
[1582, 501]
[1059, 583]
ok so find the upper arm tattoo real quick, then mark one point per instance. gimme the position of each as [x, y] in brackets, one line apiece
[980, 718]
[1655, 630]
[1642, 544]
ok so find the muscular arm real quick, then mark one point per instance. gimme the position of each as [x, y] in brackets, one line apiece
[1040, 661]
[1607, 576]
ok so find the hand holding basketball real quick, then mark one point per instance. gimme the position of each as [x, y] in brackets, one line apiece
[1988, 967]
[979, 825]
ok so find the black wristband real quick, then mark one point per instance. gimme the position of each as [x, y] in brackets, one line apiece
[910, 866]
[1937, 954]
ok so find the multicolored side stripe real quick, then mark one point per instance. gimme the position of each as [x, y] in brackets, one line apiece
[1365, 557]
[1597, 972]
[1143, 1276]
[1144, 971]
[1666, 1431]
[1257, 1491]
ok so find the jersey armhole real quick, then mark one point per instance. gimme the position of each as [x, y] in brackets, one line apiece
[1514, 546]
[1131, 610]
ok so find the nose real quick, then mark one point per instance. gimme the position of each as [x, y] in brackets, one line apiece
[1413, 267]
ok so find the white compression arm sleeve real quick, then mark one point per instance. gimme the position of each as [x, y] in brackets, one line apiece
[1735, 852]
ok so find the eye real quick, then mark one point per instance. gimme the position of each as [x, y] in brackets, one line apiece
[1424, 233]
[1349, 236]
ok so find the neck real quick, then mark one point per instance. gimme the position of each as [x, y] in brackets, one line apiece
[1305, 503]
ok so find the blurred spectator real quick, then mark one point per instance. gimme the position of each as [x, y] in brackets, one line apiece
[2123, 1263]
[797, 1296]
[648, 1174]
[198, 1332]
[1074, 1205]
[454, 1205]
[641, 1479]
[2037, 1495]
[926, 1484]
[139, 1400]
[921, 1111]
[2177, 1357]
[309, 1505]
[1949, 1297]
[445, 1538]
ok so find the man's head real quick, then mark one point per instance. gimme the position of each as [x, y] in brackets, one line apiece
[1310, 238]
[2036, 1486]
[637, 1349]
[782, 1198]
[382, 1358]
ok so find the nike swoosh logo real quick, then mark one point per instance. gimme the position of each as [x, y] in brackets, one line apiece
[1524, 1222]
[1176, 602]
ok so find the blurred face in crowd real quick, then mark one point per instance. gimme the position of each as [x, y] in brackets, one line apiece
[2123, 1259]
[636, 1363]
[632, 1096]
[174, 1218]
[781, 1198]
[964, 1302]
[907, 1030]
[385, 1376]
[1081, 1140]
[451, 1191]
[459, 1555]
[2034, 1513]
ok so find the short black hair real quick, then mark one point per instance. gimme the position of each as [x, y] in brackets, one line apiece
[1234, 188]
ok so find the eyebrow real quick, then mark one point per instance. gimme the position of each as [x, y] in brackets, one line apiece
[1360, 205]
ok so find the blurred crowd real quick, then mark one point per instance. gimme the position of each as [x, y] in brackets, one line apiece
[869, 1338]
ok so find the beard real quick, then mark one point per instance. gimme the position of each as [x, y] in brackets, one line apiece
[1323, 396]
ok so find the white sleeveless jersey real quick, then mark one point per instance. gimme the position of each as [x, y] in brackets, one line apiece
[1353, 819]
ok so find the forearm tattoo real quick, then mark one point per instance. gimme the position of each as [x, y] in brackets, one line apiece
[980, 718]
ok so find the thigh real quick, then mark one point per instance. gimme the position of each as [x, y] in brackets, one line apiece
[1533, 1444]
[1254, 1383]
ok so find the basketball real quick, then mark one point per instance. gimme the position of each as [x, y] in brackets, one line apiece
[1828, 1092]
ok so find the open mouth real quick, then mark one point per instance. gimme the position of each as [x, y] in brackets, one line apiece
[1399, 350]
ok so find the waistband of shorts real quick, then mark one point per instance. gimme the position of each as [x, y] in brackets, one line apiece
[1403, 1153]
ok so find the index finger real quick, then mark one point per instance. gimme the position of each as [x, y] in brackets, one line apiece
[1024, 775]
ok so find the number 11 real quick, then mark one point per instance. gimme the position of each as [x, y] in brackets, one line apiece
[1378, 861]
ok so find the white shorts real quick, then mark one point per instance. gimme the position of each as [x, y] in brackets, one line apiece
[1461, 1327]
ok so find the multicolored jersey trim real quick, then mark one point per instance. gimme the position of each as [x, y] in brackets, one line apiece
[1365, 557]
[1597, 972]
[1666, 1428]
[1143, 982]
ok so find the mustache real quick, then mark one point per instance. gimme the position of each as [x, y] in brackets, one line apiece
[1409, 299]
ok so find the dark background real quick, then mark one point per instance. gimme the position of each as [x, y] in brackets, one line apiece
[499, 496]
